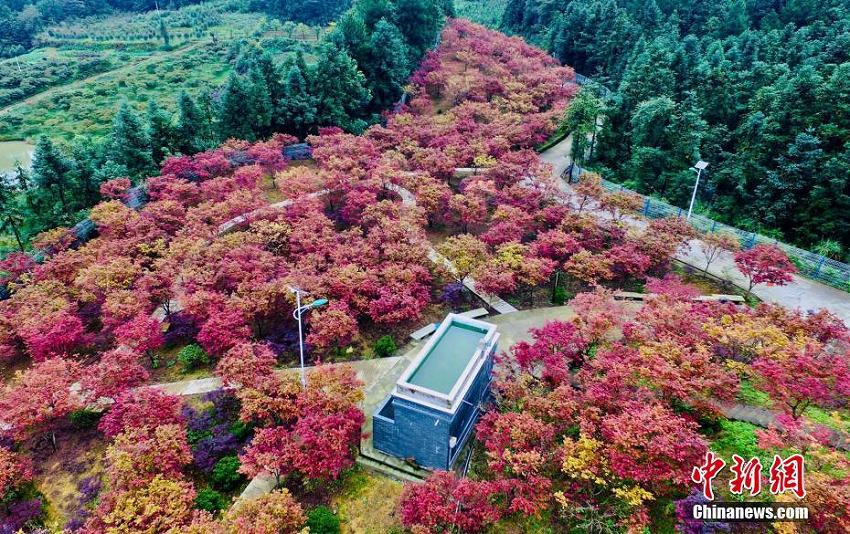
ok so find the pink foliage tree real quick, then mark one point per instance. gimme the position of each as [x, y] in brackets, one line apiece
[53, 334]
[15, 469]
[672, 286]
[161, 505]
[317, 428]
[445, 502]
[141, 408]
[143, 333]
[116, 371]
[318, 446]
[245, 364]
[271, 513]
[802, 376]
[556, 347]
[652, 445]
[596, 313]
[137, 455]
[116, 189]
[765, 264]
[15, 265]
[224, 329]
[39, 398]
[334, 326]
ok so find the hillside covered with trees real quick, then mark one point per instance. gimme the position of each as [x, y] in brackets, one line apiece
[757, 88]
[355, 72]
[21, 20]
[597, 420]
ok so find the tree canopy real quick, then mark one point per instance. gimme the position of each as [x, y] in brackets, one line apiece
[758, 89]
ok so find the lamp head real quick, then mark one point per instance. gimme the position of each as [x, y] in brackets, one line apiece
[318, 303]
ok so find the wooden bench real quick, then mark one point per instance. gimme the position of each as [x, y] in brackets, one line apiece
[463, 172]
[424, 332]
[721, 298]
[475, 314]
[629, 295]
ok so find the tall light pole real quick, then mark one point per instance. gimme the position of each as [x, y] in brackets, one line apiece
[699, 167]
[296, 314]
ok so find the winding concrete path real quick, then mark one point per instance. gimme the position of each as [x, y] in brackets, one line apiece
[801, 293]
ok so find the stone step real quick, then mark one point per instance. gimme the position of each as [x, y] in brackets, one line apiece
[259, 486]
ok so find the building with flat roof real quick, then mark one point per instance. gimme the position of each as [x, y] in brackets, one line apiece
[436, 401]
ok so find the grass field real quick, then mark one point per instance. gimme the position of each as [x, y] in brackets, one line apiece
[367, 503]
[44, 68]
[140, 29]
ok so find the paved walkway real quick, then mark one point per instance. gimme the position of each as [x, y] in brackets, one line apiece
[240, 220]
[801, 293]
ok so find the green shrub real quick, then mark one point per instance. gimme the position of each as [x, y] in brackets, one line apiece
[210, 500]
[192, 356]
[194, 436]
[738, 437]
[226, 475]
[322, 520]
[240, 430]
[752, 396]
[83, 419]
[559, 296]
[384, 347]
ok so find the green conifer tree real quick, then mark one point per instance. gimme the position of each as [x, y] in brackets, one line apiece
[50, 169]
[237, 114]
[296, 111]
[340, 90]
[190, 126]
[387, 66]
[161, 132]
[129, 143]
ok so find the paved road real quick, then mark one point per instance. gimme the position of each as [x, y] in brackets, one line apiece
[801, 293]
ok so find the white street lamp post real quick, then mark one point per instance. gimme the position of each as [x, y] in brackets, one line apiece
[296, 314]
[699, 167]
